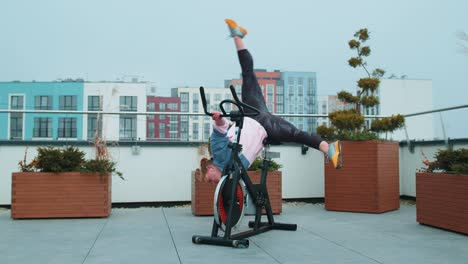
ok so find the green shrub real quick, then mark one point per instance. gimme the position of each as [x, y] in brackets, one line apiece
[53, 159]
[67, 159]
[450, 161]
[256, 165]
[350, 123]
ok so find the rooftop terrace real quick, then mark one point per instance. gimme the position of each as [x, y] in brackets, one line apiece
[163, 235]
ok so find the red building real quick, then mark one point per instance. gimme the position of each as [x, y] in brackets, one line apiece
[163, 127]
[272, 88]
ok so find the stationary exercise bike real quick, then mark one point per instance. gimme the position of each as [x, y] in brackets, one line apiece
[235, 194]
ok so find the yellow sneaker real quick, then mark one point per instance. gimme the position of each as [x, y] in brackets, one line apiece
[234, 29]
[335, 154]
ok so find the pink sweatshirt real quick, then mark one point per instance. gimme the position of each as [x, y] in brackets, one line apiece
[252, 136]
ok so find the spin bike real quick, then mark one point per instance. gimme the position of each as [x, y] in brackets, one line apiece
[235, 194]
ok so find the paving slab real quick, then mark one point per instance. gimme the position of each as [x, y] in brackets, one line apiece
[163, 235]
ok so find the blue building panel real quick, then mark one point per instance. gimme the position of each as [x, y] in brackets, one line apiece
[300, 91]
[29, 91]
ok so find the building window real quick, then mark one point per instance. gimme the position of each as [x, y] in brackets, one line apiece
[128, 103]
[67, 102]
[94, 126]
[94, 120]
[95, 103]
[42, 102]
[67, 127]
[269, 89]
[151, 107]
[184, 102]
[128, 127]
[279, 109]
[16, 119]
[195, 131]
[42, 127]
[151, 130]
[206, 130]
[270, 107]
[16, 126]
[162, 130]
[17, 102]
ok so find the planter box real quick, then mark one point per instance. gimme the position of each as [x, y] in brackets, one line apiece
[203, 192]
[369, 180]
[442, 200]
[60, 195]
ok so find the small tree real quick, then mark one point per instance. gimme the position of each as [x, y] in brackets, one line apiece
[350, 124]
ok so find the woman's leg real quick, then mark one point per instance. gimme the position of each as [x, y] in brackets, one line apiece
[281, 130]
[251, 91]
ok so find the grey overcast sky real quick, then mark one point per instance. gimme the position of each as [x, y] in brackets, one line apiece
[177, 43]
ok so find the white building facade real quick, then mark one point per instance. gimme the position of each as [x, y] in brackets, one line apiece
[198, 127]
[115, 97]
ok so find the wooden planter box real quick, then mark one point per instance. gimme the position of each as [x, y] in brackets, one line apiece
[369, 180]
[60, 195]
[203, 192]
[442, 200]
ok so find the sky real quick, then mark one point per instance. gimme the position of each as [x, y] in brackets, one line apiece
[177, 43]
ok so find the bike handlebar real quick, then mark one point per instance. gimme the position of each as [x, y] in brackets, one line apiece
[240, 105]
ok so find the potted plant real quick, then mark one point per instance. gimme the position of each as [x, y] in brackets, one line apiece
[369, 179]
[442, 191]
[61, 183]
[203, 191]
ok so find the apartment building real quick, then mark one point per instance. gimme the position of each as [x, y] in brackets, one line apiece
[73, 96]
[197, 127]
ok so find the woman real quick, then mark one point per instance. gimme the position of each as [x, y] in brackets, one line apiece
[258, 128]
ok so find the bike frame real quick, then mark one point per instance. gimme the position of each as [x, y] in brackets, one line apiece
[236, 170]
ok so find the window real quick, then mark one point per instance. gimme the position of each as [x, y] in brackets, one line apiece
[16, 126]
[94, 103]
[94, 126]
[184, 102]
[42, 102]
[128, 103]
[162, 130]
[195, 131]
[279, 109]
[16, 119]
[16, 102]
[173, 106]
[67, 102]
[151, 107]
[270, 108]
[151, 130]
[127, 127]
[67, 127]
[195, 106]
[206, 130]
[269, 88]
[300, 90]
[42, 127]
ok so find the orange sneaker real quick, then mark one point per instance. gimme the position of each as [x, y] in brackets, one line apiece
[235, 29]
[335, 154]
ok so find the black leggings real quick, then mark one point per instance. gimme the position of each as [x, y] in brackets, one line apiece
[278, 129]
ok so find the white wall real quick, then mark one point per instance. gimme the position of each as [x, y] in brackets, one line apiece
[163, 172]
[111, 93]
[402, 96]
[411, 162]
